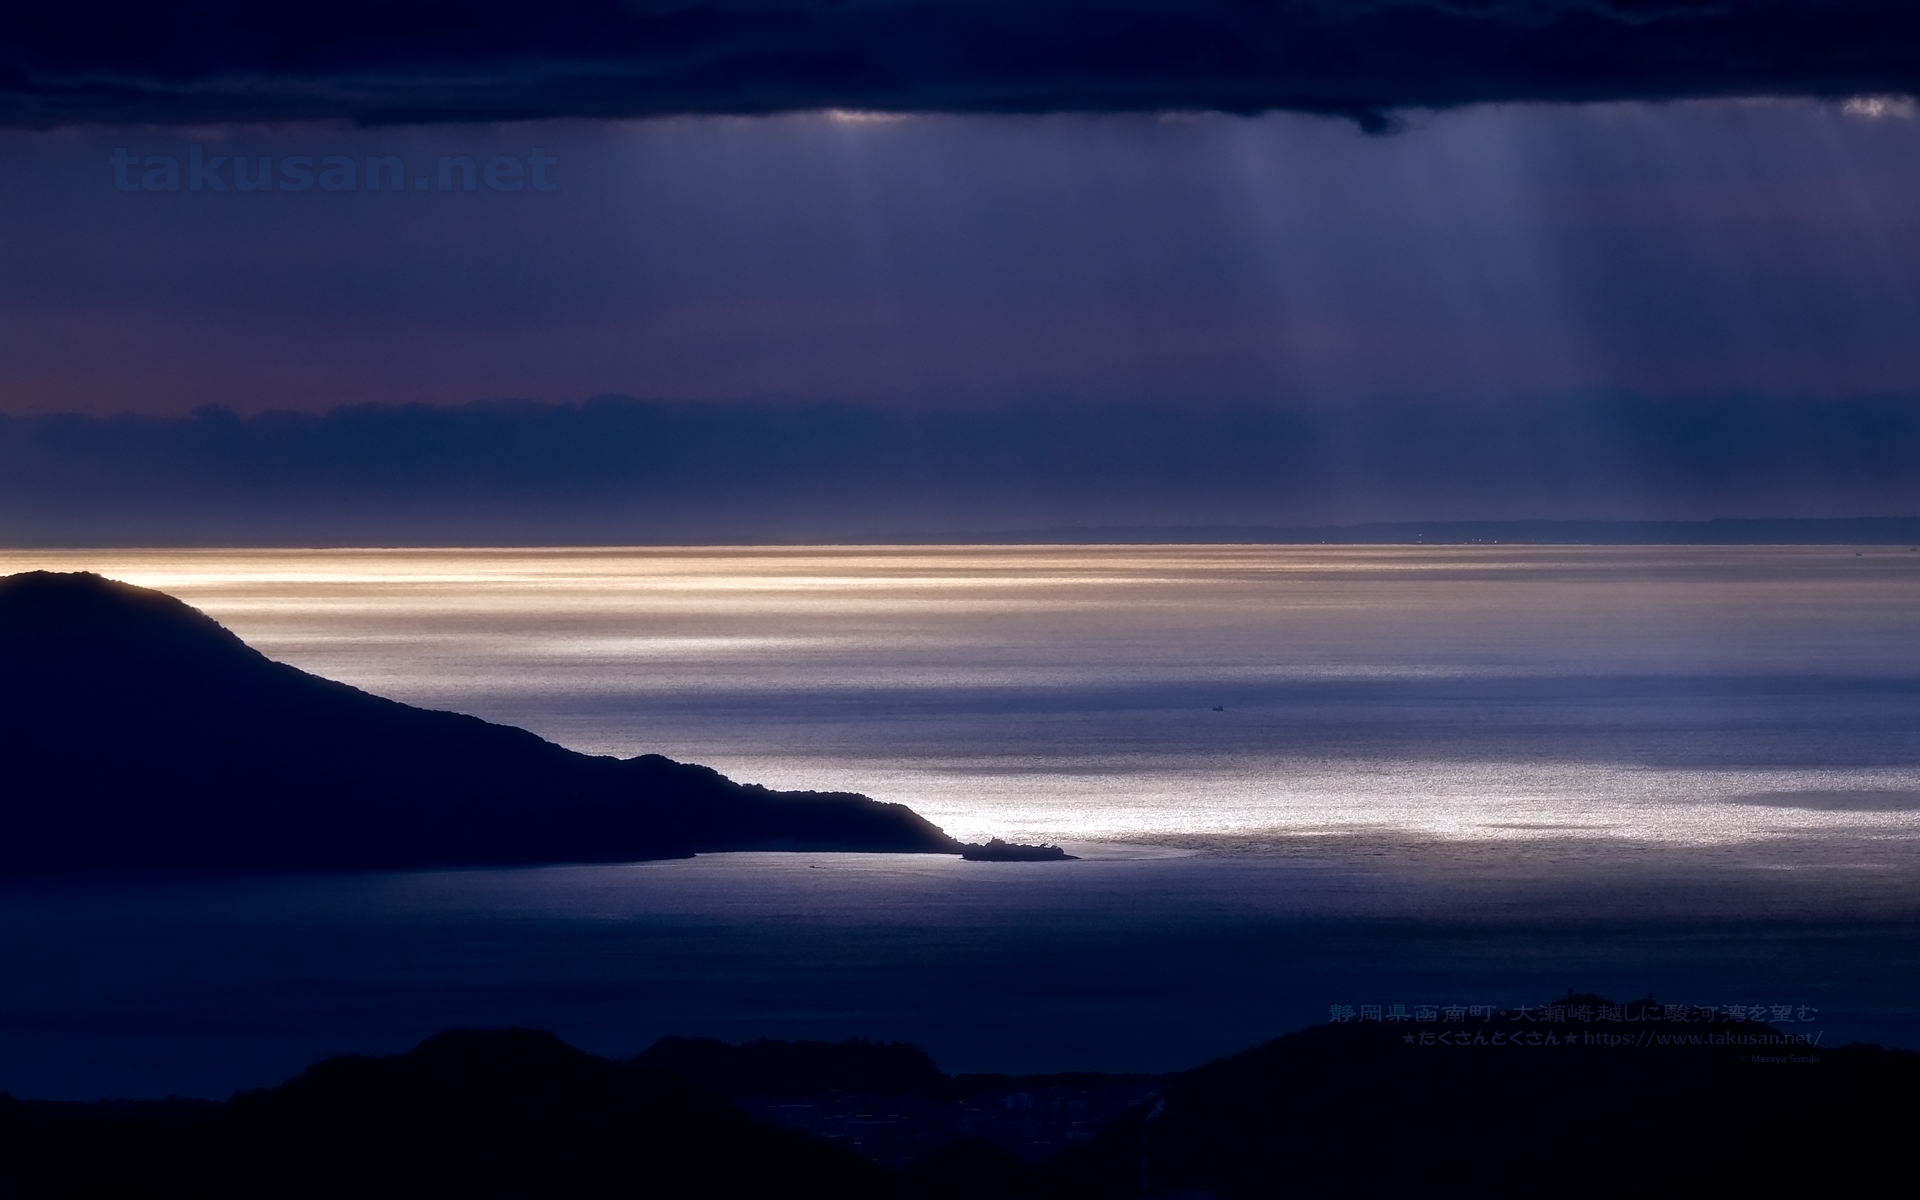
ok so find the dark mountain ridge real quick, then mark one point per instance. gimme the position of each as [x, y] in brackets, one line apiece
[1522, 1103]
[509, 1114]
[1515, 1103]
[138, 735]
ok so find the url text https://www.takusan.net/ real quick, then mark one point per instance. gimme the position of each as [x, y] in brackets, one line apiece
[197, 171]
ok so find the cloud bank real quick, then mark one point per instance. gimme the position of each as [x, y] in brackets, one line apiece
[617, 471]
[206, 61]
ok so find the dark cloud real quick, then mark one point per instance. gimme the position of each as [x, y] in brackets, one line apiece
[619, 471]
[1505, 253]
[433, 60]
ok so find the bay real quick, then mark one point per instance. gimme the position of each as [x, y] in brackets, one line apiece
[1298, 776]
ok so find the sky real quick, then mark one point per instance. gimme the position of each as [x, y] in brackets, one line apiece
[807, 267]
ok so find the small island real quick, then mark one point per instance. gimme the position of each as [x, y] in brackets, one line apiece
[1003, 851]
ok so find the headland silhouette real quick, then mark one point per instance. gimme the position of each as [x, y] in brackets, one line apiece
[139, 735]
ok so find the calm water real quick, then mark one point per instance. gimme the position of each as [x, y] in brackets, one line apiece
[1298, 776]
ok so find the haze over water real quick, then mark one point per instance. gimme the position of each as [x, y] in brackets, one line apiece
[1680, 696]
[1295, 773]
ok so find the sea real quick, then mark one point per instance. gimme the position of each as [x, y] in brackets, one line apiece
[1299, 780]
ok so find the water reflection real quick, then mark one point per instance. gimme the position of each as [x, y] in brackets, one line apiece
[1183, 695]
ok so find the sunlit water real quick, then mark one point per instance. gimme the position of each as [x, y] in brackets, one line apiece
[1186, 694]
[1293, 773]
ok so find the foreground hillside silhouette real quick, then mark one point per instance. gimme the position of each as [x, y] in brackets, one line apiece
[139, 735]
[509, 1114]
[1520, 1105]
[1497, 1108]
